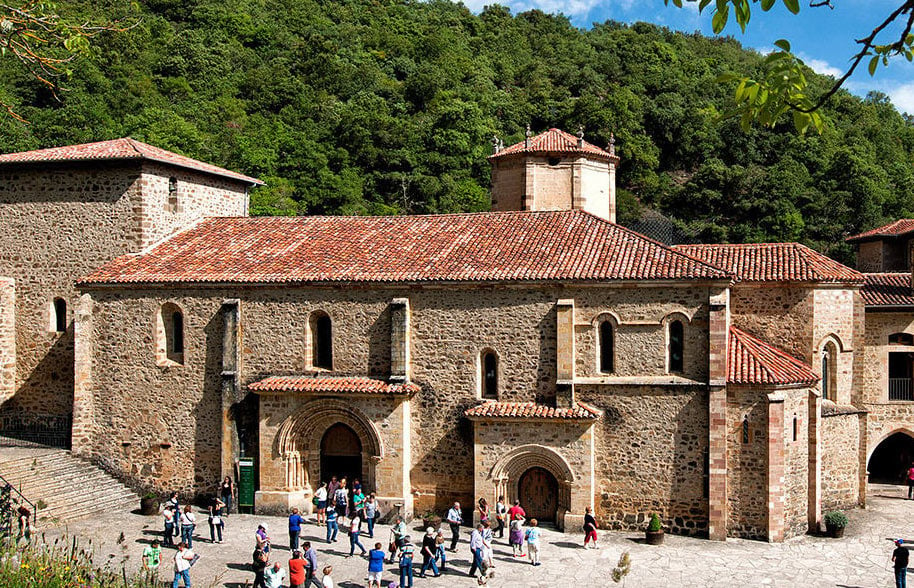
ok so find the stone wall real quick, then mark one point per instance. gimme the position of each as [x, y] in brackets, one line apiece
[509, 184]
[780, 315]
[68, 221]
[796, 461]
[450, 327]
[7, 338]
[651, 450]
[840, 435]
[747, 461]
[835, 321]
[869, 256]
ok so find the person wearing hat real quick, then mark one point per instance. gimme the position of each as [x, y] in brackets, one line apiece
[900, 559]
[429, 548]
[261, 539]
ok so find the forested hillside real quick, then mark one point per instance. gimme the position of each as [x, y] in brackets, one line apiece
[380, 107]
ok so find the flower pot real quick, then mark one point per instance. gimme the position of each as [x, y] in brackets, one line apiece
[149, 506]
[834, 531]
[433, 522]
[653, 537]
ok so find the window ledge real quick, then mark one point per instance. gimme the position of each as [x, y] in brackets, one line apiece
[169, 363]
[666, 380]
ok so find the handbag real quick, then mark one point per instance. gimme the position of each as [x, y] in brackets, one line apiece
[314, 501]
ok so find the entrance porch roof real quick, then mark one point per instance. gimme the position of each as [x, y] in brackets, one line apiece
[331, 385]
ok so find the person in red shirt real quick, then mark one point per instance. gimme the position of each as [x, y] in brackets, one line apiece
[911, 482]
[516, 511]
[297, 570]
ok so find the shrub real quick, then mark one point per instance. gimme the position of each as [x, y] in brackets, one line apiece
[836, 518]
[654, 525]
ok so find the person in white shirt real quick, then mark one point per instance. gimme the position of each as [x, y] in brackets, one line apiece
[183, 558]
[454, 518]
[328, 581]
[274, 576]
[477, 547]
[321, 496]
[188, 522]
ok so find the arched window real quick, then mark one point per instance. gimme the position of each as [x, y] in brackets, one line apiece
[489, 366]
[170, 335]
[830, 372]
[59, 315]
[607, 347]
[901, 339]
[675, 347]
[745, 429]
[173, 194]
[321, 340]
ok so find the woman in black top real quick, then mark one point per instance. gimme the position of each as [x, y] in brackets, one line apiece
[226, 490]
[590, 529]
[429, 548]
[259, 564]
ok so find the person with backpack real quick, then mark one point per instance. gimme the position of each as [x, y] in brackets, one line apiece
[259, 560]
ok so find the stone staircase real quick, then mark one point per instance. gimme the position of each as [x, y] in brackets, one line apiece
[65, 487]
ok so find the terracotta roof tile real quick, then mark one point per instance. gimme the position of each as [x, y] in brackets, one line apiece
[894, 229]
[887, 289]
[773, 262]
[531, 410]
[496, 246]
[554, 141]
[330, 385]
[752, 361]
[119, 149]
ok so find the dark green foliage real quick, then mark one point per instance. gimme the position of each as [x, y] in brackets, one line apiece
[654, 525]
[386, 106]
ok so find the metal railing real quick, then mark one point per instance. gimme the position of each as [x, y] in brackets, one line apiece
[7, 503]
[900, 389]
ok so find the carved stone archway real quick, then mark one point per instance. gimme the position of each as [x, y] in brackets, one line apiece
[298, 442]
[508, 470]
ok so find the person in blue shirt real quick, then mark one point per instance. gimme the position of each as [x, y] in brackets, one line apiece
[375, 566]
[295, 522]
[332, 527]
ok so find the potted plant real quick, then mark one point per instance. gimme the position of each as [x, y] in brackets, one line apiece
[149, 504]
[835, 522]
[654, 533]
[431, 519]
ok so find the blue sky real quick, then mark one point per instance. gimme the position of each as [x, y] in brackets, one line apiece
[822, 37]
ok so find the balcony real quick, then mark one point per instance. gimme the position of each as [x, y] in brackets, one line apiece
[900, 389]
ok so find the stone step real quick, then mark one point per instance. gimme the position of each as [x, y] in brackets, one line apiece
[71, 488]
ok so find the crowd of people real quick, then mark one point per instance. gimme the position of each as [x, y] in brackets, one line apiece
[337, 504]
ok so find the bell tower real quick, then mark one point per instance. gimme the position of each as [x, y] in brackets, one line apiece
[555, 170]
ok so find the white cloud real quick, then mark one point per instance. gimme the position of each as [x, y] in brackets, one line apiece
[903, 97]
[821, 66]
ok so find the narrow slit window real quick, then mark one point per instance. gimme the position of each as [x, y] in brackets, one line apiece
[173, 194]
[490, 375]
[607, 350]
[675, 347]
[745, 429]
[170, 335]
[59, 321]
[177, 334]
[795, 427]
[322, 341]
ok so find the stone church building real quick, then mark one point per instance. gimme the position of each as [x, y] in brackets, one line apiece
[539, 351]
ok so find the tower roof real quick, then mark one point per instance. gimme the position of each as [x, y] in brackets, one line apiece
[554, 141]
[124, 149]
[892, 230]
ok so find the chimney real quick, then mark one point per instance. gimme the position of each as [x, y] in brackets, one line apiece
[496, 144]
[529, 134]
[580, 136]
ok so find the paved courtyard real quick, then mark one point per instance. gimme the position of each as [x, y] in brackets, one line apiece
[860, 559]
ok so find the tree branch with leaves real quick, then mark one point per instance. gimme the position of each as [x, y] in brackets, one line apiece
[46, 43]
[784, 87]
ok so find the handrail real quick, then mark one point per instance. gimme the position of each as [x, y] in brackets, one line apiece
[6, 483]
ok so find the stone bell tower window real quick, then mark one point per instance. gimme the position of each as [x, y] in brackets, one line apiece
[58, 321]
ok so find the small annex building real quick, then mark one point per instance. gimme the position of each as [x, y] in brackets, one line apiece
[539, 351]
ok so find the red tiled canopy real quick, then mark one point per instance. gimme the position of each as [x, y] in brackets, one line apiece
[493, 246]
[119, 149]
[887, 289]
[894, 229]
[554, 141]
[773, 262]
[752, 361]
[531, 410]
[330, 385]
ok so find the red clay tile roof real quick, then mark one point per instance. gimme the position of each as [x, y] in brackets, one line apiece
[330, 385]
[773, 262]
[554, 141]
[119, 149]
[894, 229]
[752, 361]
[887, 289]
[494, 246]
[531, 410]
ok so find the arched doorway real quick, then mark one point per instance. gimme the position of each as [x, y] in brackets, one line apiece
[538, 492]
[891, 459]
[341, 453]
